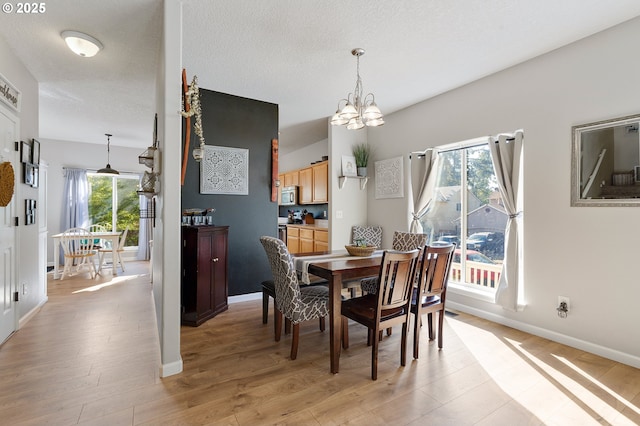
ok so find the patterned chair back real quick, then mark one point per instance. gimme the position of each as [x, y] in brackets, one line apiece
[371, 235]
[288, 298]
[406, 241]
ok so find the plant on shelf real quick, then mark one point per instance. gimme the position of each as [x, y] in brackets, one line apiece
[362, 152]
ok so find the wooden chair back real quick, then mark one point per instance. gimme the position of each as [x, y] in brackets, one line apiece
[435, 266]
[396, 281]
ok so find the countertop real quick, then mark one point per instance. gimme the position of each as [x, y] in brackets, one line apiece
[319, 223]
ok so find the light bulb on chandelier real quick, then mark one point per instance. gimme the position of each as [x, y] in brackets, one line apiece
[358, 110]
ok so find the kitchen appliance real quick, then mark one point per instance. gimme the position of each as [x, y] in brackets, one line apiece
[289, 196]
[282, 232]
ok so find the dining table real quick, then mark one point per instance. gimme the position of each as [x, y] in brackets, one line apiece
[112, 236]
[337, 268]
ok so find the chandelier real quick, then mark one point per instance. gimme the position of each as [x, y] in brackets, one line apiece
[358, 111]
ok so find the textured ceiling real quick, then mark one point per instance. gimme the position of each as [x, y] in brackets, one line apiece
[294, 53]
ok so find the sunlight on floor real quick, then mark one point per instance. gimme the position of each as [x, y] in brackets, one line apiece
[542, 389]
[114, 281]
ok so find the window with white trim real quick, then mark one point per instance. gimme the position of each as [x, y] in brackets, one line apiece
[467, 210]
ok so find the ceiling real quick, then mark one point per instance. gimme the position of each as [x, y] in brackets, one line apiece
[294, 53]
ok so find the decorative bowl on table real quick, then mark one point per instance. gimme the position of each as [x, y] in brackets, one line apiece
[360, 250]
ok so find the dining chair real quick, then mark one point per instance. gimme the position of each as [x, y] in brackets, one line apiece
[77, 245]
[402, 241]
[430, 295]
[98, 227]
[389, 307]
[118, 258]
[296, 303]
[369, 235]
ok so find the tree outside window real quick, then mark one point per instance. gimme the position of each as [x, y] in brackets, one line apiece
[119, 191]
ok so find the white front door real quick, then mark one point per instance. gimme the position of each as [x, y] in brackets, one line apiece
[8, 317]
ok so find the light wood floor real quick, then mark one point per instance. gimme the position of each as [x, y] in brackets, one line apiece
[91, 357]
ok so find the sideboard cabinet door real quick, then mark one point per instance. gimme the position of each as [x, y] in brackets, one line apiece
[204, 273]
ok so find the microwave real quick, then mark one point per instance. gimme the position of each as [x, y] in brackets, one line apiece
[289, 196]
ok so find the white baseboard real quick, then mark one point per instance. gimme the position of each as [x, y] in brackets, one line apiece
[25, 318]
[591, 347]
[171, 368]
[245, 297]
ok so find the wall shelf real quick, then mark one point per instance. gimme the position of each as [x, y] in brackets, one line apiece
[363, 180]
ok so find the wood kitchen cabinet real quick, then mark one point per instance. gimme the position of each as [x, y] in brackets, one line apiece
[314, 184]
[291, 179]
[306, 239]
[204, 273]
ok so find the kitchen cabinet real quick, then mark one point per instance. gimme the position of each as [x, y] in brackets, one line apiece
[314, 184]
[291, 178]
[204, 273]
[293, 239]
[306, 239]
[320, 240]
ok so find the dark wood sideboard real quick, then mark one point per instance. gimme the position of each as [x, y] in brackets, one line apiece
[204, 273]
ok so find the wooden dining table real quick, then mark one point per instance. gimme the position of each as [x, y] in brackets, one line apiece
[112, 236]
[336, 271]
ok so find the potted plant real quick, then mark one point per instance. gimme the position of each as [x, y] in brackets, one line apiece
[362, 152]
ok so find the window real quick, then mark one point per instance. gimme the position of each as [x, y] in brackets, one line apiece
[119, 191]
[468, 211]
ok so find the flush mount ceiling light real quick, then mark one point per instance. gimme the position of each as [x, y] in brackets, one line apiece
[358, 111]
[81, 44]
[108, 170]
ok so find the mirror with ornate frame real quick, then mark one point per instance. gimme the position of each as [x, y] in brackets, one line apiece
[605, 163]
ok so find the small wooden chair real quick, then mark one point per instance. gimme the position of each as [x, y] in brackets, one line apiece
[77, 245]
[389, 307]
[431, 293]
[118, 258]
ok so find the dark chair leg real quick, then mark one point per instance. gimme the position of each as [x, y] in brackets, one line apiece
[287, 326]
[265, 307]
[403, 348]
[389, 331]
[440, 327]
[352, 292]
[416, 336]
[430, 322]
[294, 341]
[374, 356]
[278, 324]
[322, 324]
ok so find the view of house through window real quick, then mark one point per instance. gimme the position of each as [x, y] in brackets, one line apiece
[467, 210]
[118, 191]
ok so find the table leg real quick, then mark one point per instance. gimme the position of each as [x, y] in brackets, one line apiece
[335, 302]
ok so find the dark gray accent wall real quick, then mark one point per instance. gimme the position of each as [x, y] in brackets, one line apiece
[232, 121]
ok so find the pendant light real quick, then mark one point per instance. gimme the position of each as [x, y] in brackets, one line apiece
[108, 170]
[358, 110]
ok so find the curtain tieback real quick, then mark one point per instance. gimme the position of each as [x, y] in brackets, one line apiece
[415, 216]
[513, 216]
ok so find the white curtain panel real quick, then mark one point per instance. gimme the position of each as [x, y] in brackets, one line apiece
[422, 185]
[506, 153]
[75, 209]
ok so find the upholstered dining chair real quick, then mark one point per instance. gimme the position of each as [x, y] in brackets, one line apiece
[430, 295]
[77, 245]
[119, 250]
[296, 303]
[402, 241]
[389, 307]
[370, 235]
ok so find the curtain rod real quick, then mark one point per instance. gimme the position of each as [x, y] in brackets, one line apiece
[454, 148]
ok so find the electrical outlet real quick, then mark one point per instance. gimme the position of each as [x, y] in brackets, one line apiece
[338, 214]
[565, 300]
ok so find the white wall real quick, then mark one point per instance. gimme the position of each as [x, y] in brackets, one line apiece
[27, 237]
[303, 157]
[585, 253]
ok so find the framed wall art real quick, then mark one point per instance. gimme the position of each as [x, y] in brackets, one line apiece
[25, 152]
[35, 152]
[389, 178]
[224, 170]
[29, 212]
[349, 165]
[28, 174]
